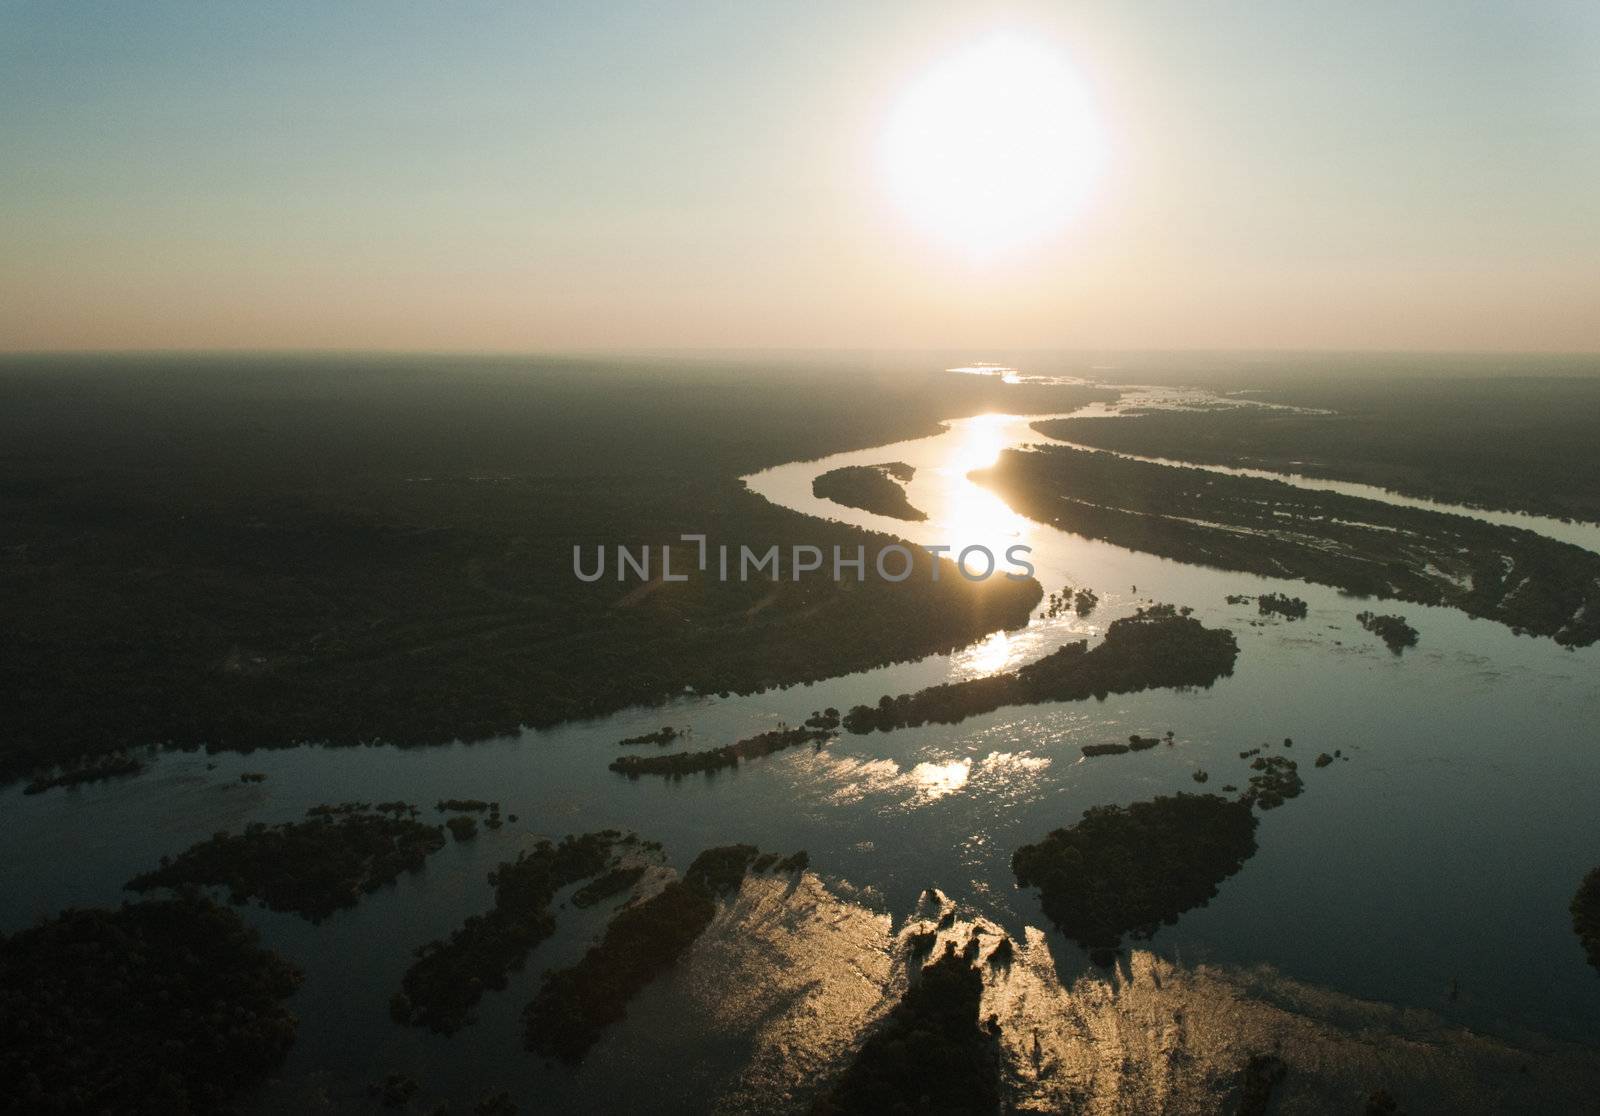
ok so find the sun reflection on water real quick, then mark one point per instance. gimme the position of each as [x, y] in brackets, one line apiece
[985, 658]
[935, 780]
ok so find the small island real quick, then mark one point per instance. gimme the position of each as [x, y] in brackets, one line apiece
[663, 736]
[873, 488]
[1080, 601]
[678, 764]
[1157, 646]
[1396, 634]
[1281, 604]
[1277, 779]
[1129, 869]
[160, 1006]
[313, 867]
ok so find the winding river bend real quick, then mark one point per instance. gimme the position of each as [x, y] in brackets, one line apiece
[1430, 869]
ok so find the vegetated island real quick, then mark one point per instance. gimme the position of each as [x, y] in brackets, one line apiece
[448, 978]
[1136, 743]
[664, 735]
[1159, 646]
[678, 764]
[873, 488]
[157, 1007]
[1081, 601]
[1586, 916]
[91, 769]
[1281, 604]
[575, 1005]
[931, 1054]
[1526, 581]
[1277, 779]
[312, 867]
[1129, 869]
[1396, 634]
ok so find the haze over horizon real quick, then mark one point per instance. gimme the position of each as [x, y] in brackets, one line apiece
[487, 178]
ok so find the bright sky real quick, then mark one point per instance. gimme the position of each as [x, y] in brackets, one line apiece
[519, 176]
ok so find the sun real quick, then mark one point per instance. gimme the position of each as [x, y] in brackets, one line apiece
[994, 148]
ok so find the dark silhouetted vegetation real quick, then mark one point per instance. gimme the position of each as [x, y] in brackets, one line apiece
[1106, 749]
[1128, 869]
[1586, 916]
[466, 806]
[247, 551]
[1155, 647]
[1367, 548]
[445, 982]
[873, 488]
[1396, 634]
[664, 735]
[614, 882]
[826, 719]
[575, 1005]
[1277, 779]
[312, 868]
[1281, 604]
[91, 769]
[159, 1007]
[1081, 601]
[931, 1055]
[1519, 443]
[679, 764]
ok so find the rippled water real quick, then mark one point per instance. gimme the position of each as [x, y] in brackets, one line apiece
[1432, 871]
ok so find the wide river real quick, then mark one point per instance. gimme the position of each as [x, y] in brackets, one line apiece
[1431, 871]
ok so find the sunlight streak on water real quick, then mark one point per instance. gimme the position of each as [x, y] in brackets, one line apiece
[935, 780]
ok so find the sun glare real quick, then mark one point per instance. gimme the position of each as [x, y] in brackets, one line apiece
[993, 148]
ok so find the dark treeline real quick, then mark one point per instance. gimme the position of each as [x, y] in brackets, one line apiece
[1523, 443]
[931, 1055]
[237, 552]
[160, 1007]
[1158, 646]
[313, 867]
[1367, 548]
[873, 488]
[444, 984]
[1129, 869]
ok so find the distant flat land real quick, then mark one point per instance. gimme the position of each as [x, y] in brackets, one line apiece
[1368, 548]
[250, 551]
[1527, 443]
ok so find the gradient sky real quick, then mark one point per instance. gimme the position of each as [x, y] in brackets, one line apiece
[615, 175]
